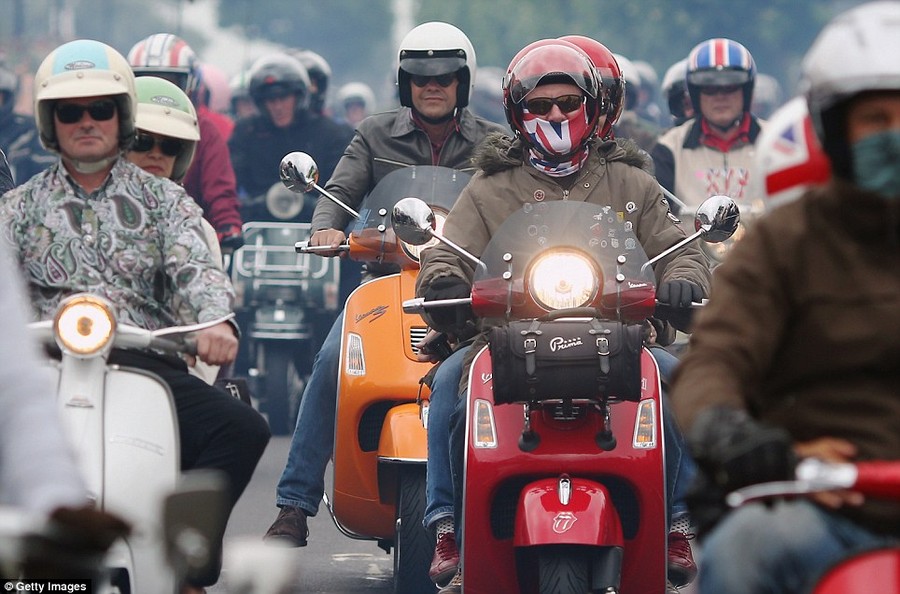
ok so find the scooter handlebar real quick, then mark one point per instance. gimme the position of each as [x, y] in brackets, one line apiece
[303, 247]
[419, 305]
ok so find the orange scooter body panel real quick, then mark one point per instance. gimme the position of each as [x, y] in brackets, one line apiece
[375, 419]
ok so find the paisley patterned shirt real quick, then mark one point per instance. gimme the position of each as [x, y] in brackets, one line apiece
[136, 241]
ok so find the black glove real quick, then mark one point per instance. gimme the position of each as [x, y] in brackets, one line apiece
[453, 320]
[735, 450]
[675, 298]
[230, 238]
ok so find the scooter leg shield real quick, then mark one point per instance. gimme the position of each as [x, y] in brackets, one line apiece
[588, 517]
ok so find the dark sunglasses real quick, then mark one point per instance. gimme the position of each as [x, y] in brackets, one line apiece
[719, 90]
[445, 80]
[543, 105]
[100, 111]
[144, 143]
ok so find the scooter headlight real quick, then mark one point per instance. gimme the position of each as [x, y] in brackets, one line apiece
[563, 279]
[84, 325]
[415, 251]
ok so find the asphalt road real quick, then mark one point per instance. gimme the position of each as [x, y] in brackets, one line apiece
[330, 564]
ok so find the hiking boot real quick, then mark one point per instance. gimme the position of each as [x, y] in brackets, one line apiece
[445, 560]
[455, 585]
[289, 528]
[681, 567]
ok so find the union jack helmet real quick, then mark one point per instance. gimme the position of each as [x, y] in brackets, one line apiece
[556, 61]
[720, 62]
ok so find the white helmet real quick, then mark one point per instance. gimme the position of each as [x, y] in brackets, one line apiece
[83, 68]
[165, 109]
[789, 157]
[436, 48]
[859, 50]
[358, 92]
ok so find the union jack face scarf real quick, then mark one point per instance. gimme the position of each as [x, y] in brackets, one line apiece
[557, 147]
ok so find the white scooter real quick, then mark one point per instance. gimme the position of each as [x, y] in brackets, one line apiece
[122, 424]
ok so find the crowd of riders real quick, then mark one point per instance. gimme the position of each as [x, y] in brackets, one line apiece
[568, 118]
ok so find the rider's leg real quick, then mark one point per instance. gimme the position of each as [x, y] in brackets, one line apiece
[438, 485]
[778, 548]
[302, 482]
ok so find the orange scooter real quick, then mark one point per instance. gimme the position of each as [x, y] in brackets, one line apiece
[380, 435]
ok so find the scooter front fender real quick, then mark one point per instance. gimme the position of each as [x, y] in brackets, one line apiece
[588, 517]
[403, 437]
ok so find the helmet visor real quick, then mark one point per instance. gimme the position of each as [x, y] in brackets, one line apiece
[432, 63]
[718, 78]
[551, 64]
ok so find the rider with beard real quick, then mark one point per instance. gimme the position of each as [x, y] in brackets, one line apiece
[796, 354]
[280, 87]
[713, 153]
[436, 73]
[555, 104]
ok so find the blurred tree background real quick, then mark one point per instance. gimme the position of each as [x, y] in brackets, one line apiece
[359, 37]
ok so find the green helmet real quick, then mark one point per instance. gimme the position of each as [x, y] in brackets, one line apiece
[163, 108]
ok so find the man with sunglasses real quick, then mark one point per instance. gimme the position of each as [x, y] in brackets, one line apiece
[555, 104]
[95, 222]
[713, 153]
[433, 126]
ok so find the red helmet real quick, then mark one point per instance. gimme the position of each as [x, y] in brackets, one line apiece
[610, 74]
[546, 62]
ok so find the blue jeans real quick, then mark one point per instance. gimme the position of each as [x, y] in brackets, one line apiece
[302, 483]
[778, 549]
[444, 396]
[447, 414]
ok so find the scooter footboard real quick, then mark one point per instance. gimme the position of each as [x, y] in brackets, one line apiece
[567, 511]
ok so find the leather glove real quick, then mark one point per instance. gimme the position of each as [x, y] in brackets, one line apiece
[452, 320]
[676, 297]
[735, 450]
[230, 238]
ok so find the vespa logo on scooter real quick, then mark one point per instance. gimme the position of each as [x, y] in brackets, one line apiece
[559, 343]
[563, 522]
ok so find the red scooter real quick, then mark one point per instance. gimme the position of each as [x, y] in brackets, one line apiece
[875, 570]
[565, 486]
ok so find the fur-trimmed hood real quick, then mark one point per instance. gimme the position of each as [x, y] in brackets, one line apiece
[499, 152]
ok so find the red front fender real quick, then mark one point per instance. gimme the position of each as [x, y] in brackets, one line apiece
[589, 517]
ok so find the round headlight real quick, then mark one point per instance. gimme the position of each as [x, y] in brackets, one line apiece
[563, 279]
[84, 325]
[415, 251]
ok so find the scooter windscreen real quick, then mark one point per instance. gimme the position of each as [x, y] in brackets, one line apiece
[562, 255]
[439, 187]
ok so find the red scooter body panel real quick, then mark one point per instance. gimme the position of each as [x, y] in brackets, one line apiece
[588, 518]
[506, 514]
[872, 571]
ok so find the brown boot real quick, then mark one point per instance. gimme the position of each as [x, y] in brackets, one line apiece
[289, 528]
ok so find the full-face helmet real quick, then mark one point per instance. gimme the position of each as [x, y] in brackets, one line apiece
[165, 109]
[319, 72]
[83, 68]
[610, 75]
[167, 56]
[857, 51]
[720, 62]
[632, 75]
[278, 74]
[559, 61]
[436, 48]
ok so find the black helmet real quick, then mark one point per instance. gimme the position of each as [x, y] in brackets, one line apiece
[9, 89]
[278, 74]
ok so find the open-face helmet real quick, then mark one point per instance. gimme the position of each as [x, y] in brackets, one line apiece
[9, 89]
[276, 75]
[167, 56]
[556, 62]
[610, 75]
[675, 91]
[858, 51]
[435, 48]
[319, 72]
[720, 62]
[164, 109]
[83, 68]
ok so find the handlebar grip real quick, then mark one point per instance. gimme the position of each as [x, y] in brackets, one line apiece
[303, 247]
[878, 479]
